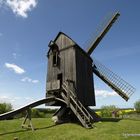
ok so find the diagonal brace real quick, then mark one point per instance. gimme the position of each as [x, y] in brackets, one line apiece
[28, 117]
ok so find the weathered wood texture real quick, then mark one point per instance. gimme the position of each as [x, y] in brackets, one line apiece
[84, 78]
[74, 65]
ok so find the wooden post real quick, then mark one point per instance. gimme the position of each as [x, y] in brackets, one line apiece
[68, 94]
[28, 116]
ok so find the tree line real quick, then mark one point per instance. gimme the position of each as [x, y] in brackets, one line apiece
[105, 111]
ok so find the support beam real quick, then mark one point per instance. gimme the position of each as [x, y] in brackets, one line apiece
[28, 117]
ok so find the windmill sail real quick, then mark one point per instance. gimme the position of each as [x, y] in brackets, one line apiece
[124, 89]
[101, 33]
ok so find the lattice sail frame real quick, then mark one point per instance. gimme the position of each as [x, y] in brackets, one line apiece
[125, 89]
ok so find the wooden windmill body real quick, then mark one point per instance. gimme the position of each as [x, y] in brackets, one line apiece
[67, 62]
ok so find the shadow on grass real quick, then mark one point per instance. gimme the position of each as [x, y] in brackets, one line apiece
[41, 128]
[25, 130]
[110, 119]
[13, 132]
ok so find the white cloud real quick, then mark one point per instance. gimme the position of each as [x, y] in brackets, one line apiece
[35, 81]
[105, 93]
[15, 68]
[27, 79]
[8, 99]
[16, 102]
[30, 99]
[14, 55]
[20, 7]
[3, 97]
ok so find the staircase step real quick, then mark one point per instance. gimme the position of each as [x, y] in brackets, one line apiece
[89, 127]
[87, 121]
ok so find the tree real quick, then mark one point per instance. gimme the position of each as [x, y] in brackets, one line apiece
[137, 106]
[5, 107]
[106, 111]
[37, 114]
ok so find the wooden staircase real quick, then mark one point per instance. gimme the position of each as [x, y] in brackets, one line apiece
[76, 106]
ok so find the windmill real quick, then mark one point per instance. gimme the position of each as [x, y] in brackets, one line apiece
[70, 82]
[70, 77]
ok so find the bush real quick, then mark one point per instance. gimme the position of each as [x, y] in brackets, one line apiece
[106, 111]
[5, 107]
[137, 106]
[37, 114]
[98, 113]
[20, 115]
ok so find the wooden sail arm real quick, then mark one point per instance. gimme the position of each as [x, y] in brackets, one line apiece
[97, 40]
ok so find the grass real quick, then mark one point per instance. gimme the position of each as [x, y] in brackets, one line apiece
[45, 130]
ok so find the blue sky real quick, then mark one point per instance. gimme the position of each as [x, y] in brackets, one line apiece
[27, 27]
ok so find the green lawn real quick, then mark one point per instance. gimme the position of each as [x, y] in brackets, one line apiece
[45, 130]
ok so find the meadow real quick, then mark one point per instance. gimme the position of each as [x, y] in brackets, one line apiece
[108, 129]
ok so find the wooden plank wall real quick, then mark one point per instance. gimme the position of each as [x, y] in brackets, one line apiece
[84, 78]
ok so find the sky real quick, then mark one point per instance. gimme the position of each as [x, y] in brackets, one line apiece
[27, 26]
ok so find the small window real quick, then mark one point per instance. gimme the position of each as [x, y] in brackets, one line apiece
[55, 59]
